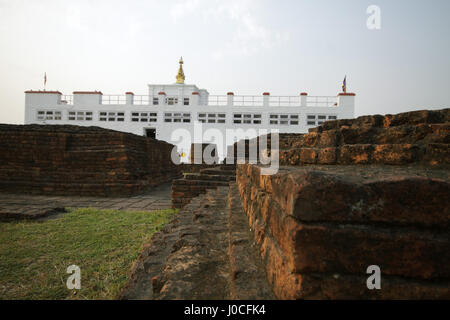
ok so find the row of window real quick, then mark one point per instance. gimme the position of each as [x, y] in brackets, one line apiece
[316, 120]
[211, 117]
[144, 116]
[247, 118]
[179, 117]
[170, 101]
[48, 115]
[80, 115]
[112, 116]
[284, 119]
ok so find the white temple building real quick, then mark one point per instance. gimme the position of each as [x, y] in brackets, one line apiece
[168, 107]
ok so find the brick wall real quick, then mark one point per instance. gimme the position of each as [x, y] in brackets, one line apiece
[318, 228]
[198, 181]
[56, 159]
[184, 190]
[354, 193]
[194, 168]
[411, 137]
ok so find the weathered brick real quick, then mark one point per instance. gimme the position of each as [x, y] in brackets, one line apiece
[81, 160]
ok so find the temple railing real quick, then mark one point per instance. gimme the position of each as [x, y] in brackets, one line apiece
[220, 100]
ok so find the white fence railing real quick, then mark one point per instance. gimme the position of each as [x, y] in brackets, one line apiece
[113, 99]
[285, 101]
[248, 101]
[321, 101]
[141, 100]
[223, 100]
[217, 100]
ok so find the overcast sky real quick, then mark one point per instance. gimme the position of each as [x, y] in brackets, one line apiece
[284, 47]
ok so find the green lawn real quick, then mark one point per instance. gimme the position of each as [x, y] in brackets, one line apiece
[34, 256]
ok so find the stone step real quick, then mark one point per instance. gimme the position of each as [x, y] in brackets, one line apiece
[153, 259]
[207, 177]
[192, 182]
[218, 172]
[188, 259]
[204, 253]
[183, 190]
[248, 277]
[230, 167]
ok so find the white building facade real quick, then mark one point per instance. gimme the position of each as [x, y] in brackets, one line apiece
[168, 110]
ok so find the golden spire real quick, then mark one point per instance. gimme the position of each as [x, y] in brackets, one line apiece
[180, 75]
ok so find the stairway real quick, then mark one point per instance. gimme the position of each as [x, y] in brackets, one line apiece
[194, 184]
[205, 252]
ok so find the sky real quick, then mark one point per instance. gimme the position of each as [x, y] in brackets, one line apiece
[246, 46]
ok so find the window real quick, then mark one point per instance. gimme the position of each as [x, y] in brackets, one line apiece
[80, 115]
[171, 101]
[247, 118]
[321, 118]
[155, 101]
[283, 119]
[43, 115]
[211, 117]
[144, 116]
[112, 116]
[177, 117]
[186, 101]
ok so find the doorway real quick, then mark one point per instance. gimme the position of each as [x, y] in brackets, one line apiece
[150, 133]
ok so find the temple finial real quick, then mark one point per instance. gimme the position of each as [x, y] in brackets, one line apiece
[180, 75]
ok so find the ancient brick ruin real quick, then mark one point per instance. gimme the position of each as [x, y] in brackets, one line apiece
[195, 183]
[200, 176]
[319, 228]
[412, 137]
[369, 191]
[53, 159]
[349, 194]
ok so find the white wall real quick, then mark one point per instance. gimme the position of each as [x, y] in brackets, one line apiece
[164, 130]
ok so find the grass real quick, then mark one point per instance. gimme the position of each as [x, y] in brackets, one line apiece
[34, 256]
